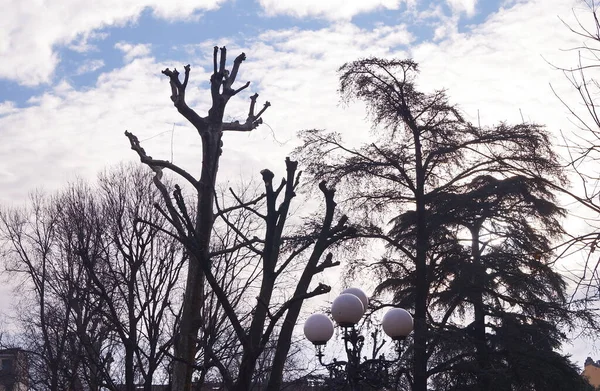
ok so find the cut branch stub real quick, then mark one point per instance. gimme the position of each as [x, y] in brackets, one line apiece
[329, 193]
[267, 176]
[321, 289]
[177, 88]
[327, 263]
[291, 165]
[178, 96]
[234, 71]
[222, 69]
[215, 55]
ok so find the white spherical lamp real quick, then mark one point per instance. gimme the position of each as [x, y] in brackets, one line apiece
[347, 309]
[360, 294]
[318, 329]
[397, 323]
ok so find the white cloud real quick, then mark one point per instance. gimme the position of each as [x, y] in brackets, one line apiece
[332, 9]
[447, 27]
[133, 51]
[499, 67]
[67, 132]
[82, 43]
[89, 66]
[433, 11]
[460, 6]
[392, 36]
[31, 30]
[344, 39]
[7, 108]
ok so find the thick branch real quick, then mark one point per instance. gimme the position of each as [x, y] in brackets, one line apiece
[252, 121]
[327, 263]
[158, 165]
[178, 97]
[223, 61]
[234, 71]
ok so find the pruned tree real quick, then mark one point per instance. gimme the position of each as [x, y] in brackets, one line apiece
[211, 130]
[423, 152]
[275, 252]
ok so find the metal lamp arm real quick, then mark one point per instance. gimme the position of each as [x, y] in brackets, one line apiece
[320, 356]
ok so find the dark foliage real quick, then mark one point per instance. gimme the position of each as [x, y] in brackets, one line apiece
[468, 217]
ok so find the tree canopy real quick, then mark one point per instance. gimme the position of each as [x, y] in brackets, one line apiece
[468, 217]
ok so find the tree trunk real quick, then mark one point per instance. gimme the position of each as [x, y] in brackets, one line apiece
[421, 291]
[282, 349]
[421, 283]
[132, 337]
[129, 367]
[255, 336]
[191, 320]
[483, 378]
[185, 345]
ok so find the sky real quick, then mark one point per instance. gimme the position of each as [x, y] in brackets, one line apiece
[75, 75]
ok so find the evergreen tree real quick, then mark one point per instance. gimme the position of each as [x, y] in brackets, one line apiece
[440, 182]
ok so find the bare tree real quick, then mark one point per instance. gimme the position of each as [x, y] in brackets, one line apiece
[104, 285]
[143, 271]
[210, 129]
[582, 143]
[39, 247]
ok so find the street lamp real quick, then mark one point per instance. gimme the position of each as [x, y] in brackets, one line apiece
[347, 310]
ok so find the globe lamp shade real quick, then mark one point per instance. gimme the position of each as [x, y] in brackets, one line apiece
[347, 309]
[318, 329]
[397, 323]
[360, 294]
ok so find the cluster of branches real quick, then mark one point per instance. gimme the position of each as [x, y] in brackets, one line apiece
[104, 281]
[582, 146]
[468, 217]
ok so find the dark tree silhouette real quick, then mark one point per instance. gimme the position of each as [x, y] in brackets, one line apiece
[501, 283]
[427, 157]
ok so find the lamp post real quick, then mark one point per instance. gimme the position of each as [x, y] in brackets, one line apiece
[347, 310]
